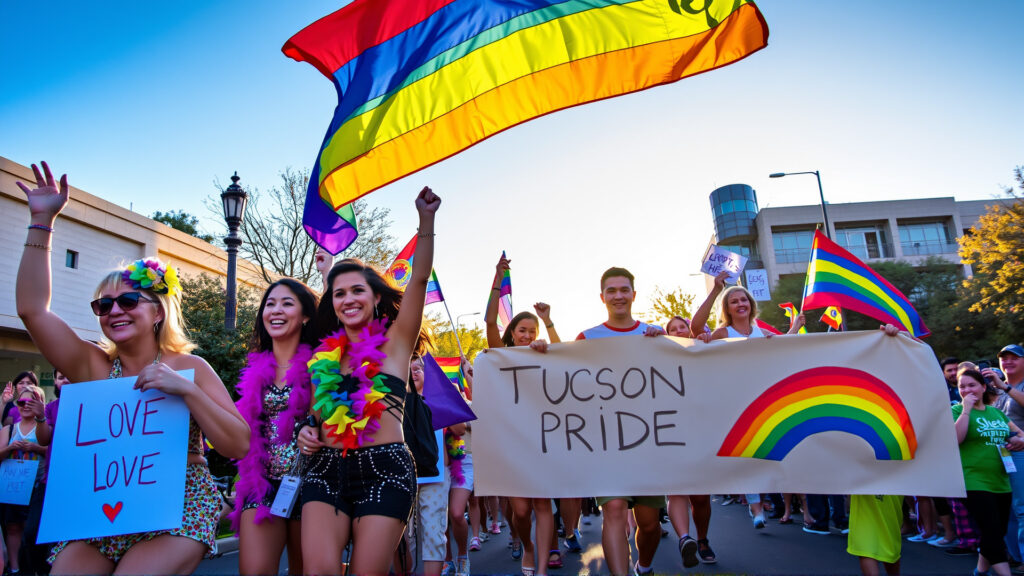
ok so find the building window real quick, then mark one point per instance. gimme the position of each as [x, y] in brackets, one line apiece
[71, 260]
[865, 242]
[792, 245]
[924, 238]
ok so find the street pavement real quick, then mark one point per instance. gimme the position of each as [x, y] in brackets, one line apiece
[778, 549]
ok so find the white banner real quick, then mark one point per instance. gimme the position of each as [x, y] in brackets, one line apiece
[839, 413]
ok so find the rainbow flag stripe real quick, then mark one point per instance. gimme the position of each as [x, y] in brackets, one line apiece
[452, 367]
[837, 278]
[433, 290]
[401, 269]
[823, 399]
[421, 80]
[505, 288]
[334, 230]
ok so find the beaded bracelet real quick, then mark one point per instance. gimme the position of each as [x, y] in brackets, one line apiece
[34, 245]
[42, 227]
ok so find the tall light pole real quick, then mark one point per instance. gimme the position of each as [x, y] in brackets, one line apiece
[824, 211]
[233, 198]
[458, 320]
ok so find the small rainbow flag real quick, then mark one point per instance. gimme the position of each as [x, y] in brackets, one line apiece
[421, 80]
[504, 300]
[790, 311]
[401, 271]
[837, 278]
[764, 326]
[452, 368]
[833, 317]
[433, 290]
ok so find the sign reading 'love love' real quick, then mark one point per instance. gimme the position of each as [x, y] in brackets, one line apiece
[118, 461]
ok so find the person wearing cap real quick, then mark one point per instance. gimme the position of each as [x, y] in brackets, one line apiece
[1011, 402]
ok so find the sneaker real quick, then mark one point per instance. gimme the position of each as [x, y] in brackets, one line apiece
[920, 538]
[576, 534]
[495, 529]
[462, 566]
[636, 569]
[727, 500]
[474, 544]
[943, 543]
[572, 544]
[517, 550]
[707, 555]
[483, 536]
[688, 552]
[759, 521]
[811, 529]
[448, 569]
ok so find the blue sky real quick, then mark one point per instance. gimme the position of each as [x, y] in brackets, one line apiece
[146, 104]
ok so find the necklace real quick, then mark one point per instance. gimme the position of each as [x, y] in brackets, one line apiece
[350, 418]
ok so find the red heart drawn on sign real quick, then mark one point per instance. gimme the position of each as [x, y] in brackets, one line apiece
[112, 511]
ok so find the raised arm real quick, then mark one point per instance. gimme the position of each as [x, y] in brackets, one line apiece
[403, 333]
[491, 314]
[700, 317]
[55, 339]
[544, 313]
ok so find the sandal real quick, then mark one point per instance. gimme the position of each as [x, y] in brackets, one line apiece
[528, 571]
[555, 559]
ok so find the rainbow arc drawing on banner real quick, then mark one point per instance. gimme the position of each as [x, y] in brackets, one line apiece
[823, 399]
[421, 80]
[837, 278]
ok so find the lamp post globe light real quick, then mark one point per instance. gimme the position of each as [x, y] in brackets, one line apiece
[458, 320]
[824, 211]
[233, 199]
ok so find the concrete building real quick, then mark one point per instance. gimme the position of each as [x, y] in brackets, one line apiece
[91, 237]
[779, 239]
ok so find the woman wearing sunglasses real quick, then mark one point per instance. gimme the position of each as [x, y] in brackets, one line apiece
[139, 310]
[23, 440]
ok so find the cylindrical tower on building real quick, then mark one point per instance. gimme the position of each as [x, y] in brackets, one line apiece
[735, 208]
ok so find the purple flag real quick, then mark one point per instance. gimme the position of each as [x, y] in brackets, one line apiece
[447, 406]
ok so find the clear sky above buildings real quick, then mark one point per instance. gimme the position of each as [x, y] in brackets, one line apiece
[146, 104]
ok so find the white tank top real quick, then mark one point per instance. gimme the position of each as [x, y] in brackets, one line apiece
[755, 332]
[30, 437]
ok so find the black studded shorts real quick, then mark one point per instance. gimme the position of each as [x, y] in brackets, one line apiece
[370, 481]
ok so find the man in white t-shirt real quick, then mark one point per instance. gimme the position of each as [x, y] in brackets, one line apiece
[617, 294]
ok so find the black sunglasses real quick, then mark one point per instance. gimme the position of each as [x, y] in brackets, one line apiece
[22, 403]
[127, 301]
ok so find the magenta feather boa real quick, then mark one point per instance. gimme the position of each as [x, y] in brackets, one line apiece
[259, 374]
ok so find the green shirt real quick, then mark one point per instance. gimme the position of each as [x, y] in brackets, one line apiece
[988, 429]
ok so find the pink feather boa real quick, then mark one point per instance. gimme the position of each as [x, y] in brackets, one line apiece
[258, 375]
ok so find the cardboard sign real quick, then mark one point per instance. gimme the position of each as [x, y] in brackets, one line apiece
[718, 259]
[841, 413]
[757, 284]
[17, 477]
[118, 461]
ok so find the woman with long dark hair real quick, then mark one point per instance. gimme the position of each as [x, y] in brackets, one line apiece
[359, 482]
[522, 331]
[275, 391]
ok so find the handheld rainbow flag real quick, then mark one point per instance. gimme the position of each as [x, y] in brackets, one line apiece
[791, 312]
[764, 326]
[833, 317]
[421, 80]
[837, 278]
[401, 271]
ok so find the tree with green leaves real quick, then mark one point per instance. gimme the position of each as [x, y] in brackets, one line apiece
[666, 304]
[275, 240]
[473, 339]
[994, 247]
[182, 221]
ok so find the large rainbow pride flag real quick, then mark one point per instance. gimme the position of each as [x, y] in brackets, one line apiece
[837, 278]
[421, 80]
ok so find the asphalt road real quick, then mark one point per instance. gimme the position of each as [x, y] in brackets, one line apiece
[778, 549]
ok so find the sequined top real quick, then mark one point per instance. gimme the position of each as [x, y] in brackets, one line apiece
[195, 435]
[275, 401]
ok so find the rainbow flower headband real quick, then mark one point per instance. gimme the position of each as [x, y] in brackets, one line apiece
[151, 274]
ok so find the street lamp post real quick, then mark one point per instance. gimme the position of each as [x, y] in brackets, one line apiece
[821, 194]
[233, 198]
[458, 320]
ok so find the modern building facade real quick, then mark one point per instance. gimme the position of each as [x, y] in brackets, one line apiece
[778, 239]
[91, 237]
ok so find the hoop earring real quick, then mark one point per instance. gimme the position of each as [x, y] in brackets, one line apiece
[156, 328]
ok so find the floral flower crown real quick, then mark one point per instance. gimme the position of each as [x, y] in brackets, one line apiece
[152, 274]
